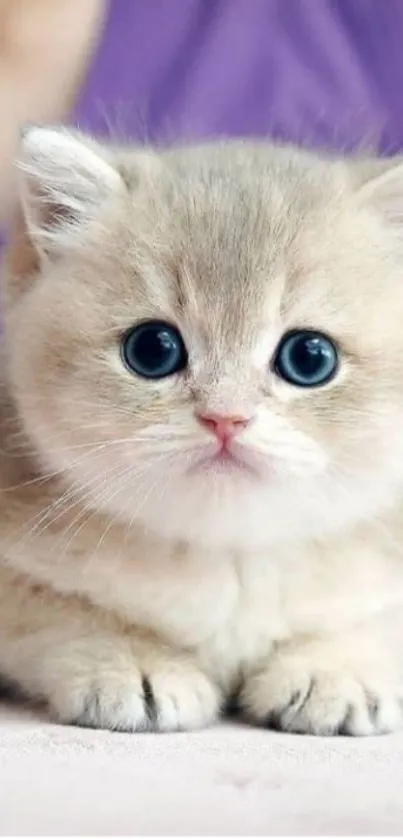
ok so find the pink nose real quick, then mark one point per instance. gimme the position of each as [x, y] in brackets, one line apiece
[224, 427]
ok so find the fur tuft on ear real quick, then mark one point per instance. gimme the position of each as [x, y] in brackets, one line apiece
[65, 182]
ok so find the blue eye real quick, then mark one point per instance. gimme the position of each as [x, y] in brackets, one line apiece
[306, 359]
[154, 350]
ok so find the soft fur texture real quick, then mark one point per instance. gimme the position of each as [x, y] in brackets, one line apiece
[143, 584]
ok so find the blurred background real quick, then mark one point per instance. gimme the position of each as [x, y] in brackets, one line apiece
[319, 72]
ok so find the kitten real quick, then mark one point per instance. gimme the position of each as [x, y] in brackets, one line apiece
[202, 436]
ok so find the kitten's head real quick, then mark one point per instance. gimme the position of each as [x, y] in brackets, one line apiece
[209, 341]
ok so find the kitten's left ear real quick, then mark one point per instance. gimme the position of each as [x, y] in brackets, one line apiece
[65, 183]
[381, 185]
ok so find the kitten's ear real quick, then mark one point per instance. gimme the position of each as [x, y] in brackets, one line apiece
[65, 183]
[381, 185]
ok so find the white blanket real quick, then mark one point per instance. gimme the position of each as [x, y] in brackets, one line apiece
[227, 780]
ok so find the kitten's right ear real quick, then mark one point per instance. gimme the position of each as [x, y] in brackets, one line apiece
[65, 184]
[381, 186]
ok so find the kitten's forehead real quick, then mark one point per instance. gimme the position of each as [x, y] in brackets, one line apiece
[246, 241]
[238, 214]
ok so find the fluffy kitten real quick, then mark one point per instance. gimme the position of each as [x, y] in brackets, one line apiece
[202, 437]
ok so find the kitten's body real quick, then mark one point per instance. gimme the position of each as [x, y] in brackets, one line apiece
[141, 583]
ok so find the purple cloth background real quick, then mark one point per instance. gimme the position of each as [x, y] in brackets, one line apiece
[319, 72]
[314, 71]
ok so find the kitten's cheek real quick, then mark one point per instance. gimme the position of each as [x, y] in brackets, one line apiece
[284, 450]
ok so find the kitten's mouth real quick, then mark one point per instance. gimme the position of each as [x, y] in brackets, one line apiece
[222, 461]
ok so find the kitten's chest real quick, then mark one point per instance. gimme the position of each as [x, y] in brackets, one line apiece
[232, 608]
[237, 606]
[229, 608]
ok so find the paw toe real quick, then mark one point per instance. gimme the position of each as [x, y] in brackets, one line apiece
[292, 695]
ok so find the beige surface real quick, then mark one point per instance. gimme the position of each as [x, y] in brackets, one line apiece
[232, 779]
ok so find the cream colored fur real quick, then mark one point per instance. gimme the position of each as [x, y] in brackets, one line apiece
[138, 589]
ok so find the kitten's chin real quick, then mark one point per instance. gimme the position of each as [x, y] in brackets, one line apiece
[235, 464]
[223, 508]
[223, 465]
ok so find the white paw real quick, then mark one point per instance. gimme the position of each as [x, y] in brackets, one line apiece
[304, 691]
[108, 687]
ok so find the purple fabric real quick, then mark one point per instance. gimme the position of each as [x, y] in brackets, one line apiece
[314, 71]
[320, 72]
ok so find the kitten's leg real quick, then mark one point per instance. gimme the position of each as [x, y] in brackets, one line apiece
[343, 685]
[93, 672]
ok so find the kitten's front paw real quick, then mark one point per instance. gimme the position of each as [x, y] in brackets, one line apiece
[303, 691]
[108, 687]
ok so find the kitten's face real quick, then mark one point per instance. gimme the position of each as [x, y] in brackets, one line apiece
[190, 291]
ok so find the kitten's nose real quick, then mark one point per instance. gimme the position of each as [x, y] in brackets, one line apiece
[224, 427]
